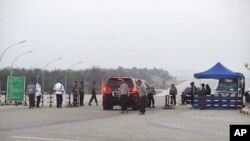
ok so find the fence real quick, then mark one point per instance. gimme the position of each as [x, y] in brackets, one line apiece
[217, 101]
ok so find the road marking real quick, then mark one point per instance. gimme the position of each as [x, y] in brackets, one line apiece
[36, 138]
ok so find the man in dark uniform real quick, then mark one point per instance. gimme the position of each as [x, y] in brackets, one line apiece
[81, 92]
[93, 92]
[151, 100]
[193, 91]
[202, 97]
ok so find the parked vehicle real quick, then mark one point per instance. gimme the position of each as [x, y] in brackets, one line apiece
[111, 92]
[185, 95]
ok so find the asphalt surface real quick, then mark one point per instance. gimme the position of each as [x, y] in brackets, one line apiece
[91, 123]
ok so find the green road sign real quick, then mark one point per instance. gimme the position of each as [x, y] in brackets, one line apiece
[16, 88]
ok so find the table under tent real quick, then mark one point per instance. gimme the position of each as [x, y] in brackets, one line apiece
[229, 92]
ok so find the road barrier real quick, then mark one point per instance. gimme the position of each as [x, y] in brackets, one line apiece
[168, 102]
[217, 101]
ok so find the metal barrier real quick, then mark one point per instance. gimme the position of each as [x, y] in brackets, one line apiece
[49, 100]
[73, 101]
[168, 102]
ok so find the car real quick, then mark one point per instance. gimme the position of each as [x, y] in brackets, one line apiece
[111, 92]
[185, 95]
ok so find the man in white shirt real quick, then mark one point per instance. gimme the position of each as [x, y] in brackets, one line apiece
[124, 95]
[142, 97]
[38, 94]
[59, 91]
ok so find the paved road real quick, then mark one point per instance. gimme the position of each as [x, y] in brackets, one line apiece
[91, 123]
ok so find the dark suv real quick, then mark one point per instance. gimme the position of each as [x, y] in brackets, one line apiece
[111, 92]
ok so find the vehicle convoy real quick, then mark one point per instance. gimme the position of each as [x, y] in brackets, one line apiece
[111, 92]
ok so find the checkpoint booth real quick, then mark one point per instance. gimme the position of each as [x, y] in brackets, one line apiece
[229, 92]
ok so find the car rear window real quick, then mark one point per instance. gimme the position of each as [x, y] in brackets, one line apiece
[187, 89]
[115, 82]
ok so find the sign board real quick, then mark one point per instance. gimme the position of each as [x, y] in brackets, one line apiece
[15, 88]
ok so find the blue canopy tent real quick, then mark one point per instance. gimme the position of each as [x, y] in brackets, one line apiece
[218, 71]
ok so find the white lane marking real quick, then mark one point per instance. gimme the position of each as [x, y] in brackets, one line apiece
[36, 138]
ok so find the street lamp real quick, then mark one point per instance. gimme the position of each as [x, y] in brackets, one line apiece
[10, 47]
[11, 72]
[43, 74]
[65, 81]
[85, 83]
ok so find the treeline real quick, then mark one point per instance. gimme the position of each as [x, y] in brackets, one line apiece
[155, 77]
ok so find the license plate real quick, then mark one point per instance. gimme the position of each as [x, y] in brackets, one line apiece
[115, 94]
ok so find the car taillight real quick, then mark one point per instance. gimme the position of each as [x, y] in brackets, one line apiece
[106, 89]
[132, 90]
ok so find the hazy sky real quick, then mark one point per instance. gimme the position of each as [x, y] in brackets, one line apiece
[169, 34]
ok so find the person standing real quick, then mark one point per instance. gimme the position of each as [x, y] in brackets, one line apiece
[30, 90]
[202, 95]
[59, 91]
[151, 99]
[173, 93]
[208, 90]
[193, 91]
[75, 93]
[81, 92]
[38, 94]
[142, 97]
[124, 94]
[93, 92]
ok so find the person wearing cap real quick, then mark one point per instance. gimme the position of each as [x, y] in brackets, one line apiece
[142, 97]
[38, 94]
[193, 91]
[59, 91]
[124, 94]
[93, 92]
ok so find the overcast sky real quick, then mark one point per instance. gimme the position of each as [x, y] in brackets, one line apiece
[170, 34]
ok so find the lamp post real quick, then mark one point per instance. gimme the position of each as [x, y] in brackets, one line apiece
[65, 81]
[85, 83]
[43, 73]
[11, 47]
[11, 72]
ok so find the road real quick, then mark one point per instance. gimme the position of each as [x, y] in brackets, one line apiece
[91, 123]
